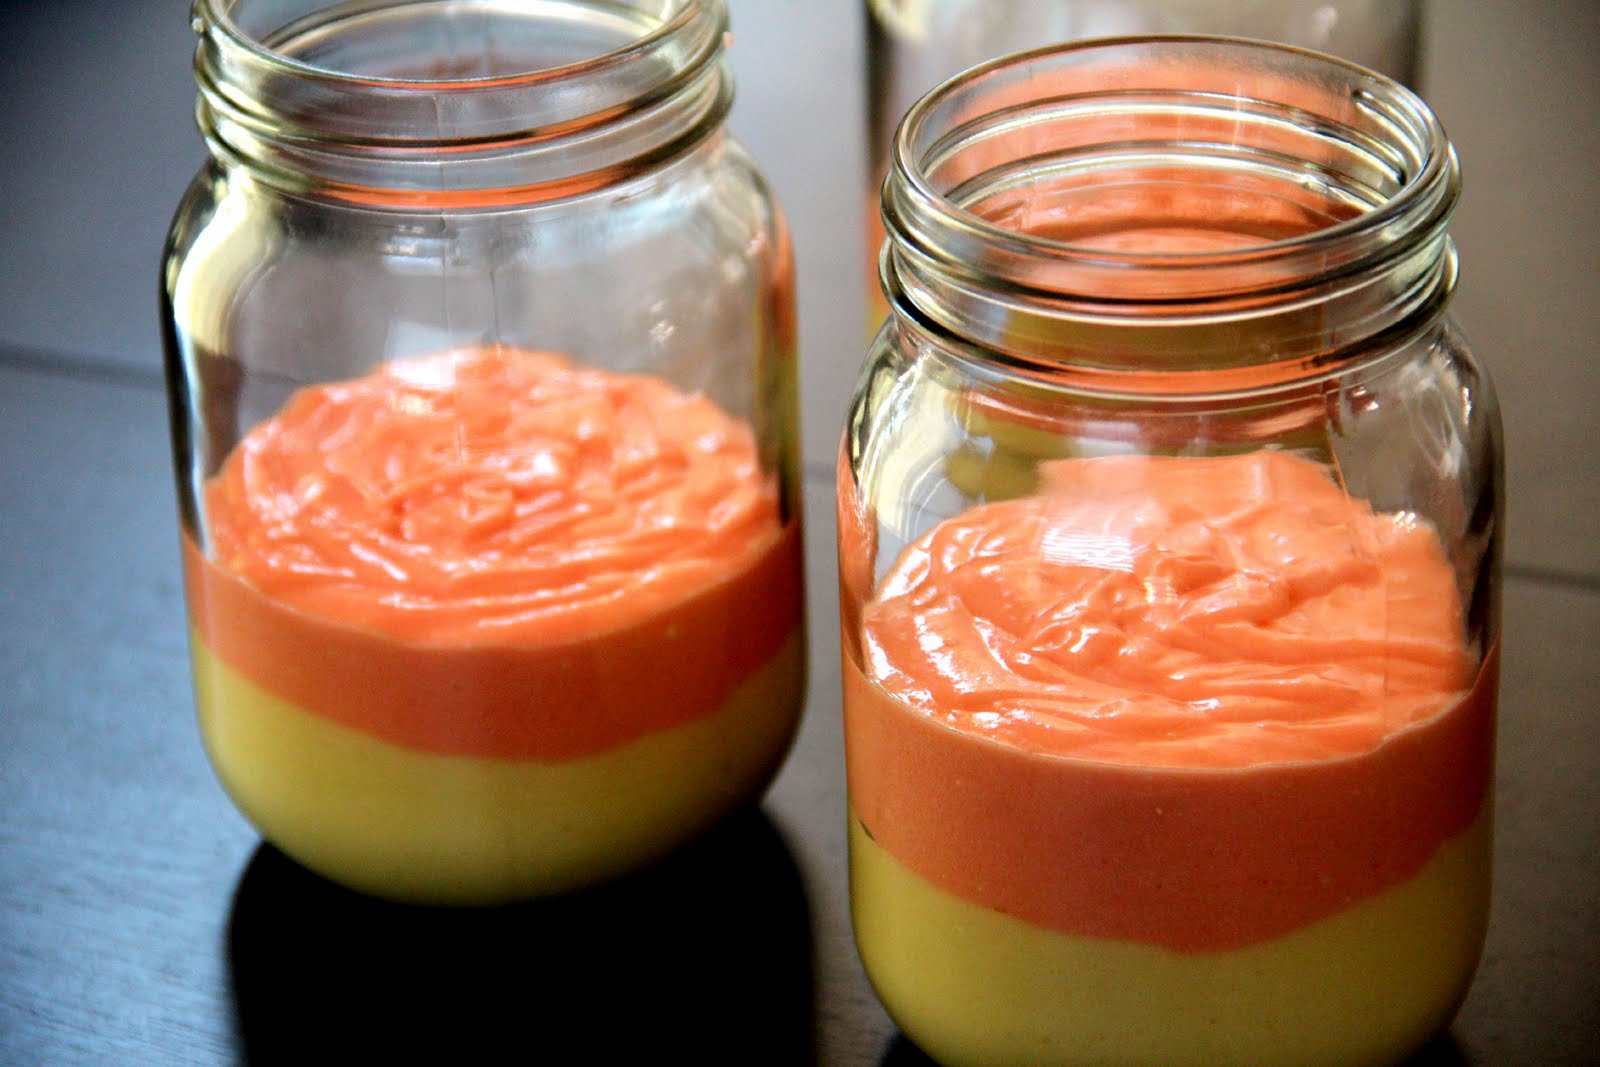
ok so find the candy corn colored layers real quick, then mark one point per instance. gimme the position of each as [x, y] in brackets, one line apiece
[488, 625]
[1182, 760]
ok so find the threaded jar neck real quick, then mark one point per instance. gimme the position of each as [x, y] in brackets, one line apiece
[1131, 212]
[457, 103]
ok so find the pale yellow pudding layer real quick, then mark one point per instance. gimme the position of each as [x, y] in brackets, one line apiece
[1368, 985]
[409, 825]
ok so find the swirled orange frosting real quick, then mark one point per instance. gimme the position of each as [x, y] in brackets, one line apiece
[581, 556]
[490, 494]
[1194, 701]
[1175, 611]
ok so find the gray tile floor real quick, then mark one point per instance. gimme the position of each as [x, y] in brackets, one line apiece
[1516, 85]
[98, 143]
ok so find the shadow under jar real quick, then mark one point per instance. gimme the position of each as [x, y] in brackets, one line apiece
[1169, 512]
[479, 335]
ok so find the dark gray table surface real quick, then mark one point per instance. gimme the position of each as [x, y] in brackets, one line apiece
[142, 921]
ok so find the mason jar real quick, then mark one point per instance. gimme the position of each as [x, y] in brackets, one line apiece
[1169, 508]
[480, 345]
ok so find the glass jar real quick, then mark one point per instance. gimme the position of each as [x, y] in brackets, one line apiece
[1169, 511]
[913, 45]
[480, 345]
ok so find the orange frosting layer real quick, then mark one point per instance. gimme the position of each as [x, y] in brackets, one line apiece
[1193, 701]
[495, 552]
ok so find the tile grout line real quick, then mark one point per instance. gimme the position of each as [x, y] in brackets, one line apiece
[816, 470]
[1571, 580]
[67, 365]
[79, 368]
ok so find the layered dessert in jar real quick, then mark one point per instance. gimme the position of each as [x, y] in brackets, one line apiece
[490, 624]
[1176, 760]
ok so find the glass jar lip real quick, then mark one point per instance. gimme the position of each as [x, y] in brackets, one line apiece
[1432, 144]
[648, 85]
[219, 14]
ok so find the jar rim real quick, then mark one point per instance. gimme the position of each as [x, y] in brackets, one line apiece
[416, 131]
[678, 15]
[1245, 203]
[1434, 147]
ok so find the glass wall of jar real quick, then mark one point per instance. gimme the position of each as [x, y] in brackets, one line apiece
[913, 45]
[480, 345]
[1169, 514]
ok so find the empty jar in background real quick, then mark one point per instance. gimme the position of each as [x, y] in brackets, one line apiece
[1169, 508]
[913, 45]
[480, 344]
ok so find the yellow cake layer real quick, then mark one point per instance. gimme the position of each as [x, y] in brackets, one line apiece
[413, 826]
[1366, 986]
